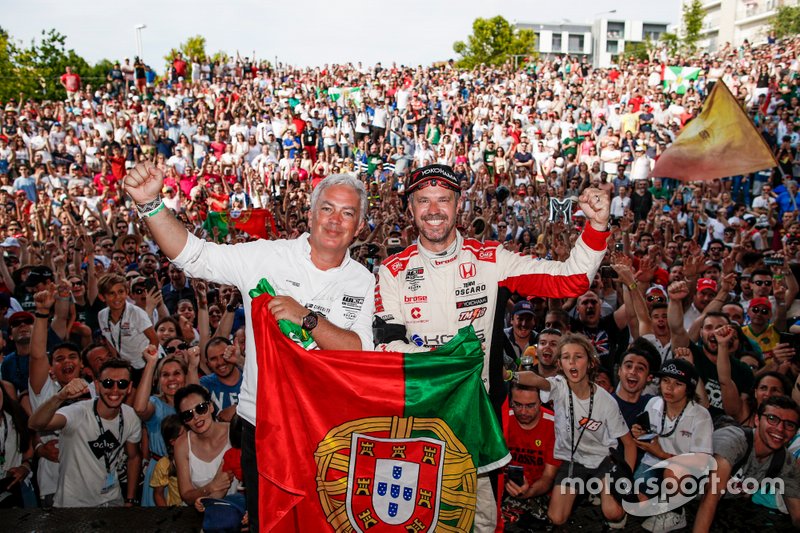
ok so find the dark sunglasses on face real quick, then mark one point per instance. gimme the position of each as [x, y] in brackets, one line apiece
[761, 311]
[120, 383]
[20, 322]
[188, 415]
[173, 349]
[657, 299]
[763, 282]
[76, 282]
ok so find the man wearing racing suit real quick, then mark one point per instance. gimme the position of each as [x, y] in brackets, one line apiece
[444, 282]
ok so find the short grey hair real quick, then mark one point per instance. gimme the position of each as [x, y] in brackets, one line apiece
[342, 179]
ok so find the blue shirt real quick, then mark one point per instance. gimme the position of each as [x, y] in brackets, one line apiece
[223, 395]
[153, 425]
[15, 369]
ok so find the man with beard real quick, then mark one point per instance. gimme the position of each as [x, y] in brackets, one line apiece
[547, 352]
[755, 454]
[608, 334]
[148, 265]
[177, 289]
[226, 381]
[47, 377]
[93, 435]
[16, 365]
[530, 435]
[431, 289]
[520, 335]
[705, 353]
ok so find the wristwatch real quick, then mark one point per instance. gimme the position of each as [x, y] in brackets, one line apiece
[146, 207]
[310, 321]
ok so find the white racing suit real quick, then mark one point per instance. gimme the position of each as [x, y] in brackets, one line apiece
[422, 299]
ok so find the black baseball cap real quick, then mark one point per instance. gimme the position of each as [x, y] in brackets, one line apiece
[433, 175]
[680, 369]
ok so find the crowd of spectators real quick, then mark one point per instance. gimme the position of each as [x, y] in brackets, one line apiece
[84, 288]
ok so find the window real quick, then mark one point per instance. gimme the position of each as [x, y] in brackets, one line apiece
[612, 47]
[615, 30]
[538, 41]
[556, 42]
[575, 43]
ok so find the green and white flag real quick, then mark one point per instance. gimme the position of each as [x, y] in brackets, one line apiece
[678, 79]
[347, 93]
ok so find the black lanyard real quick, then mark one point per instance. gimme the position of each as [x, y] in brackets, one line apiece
[3, 442]
[110, 456]
[118, 345]
[574, 445]
[664, 419]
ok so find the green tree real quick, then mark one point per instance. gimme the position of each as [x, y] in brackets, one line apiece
[640, 50]
[672, 42]
[194, 46]
[493, 42]
[787, 21]
[693, 15]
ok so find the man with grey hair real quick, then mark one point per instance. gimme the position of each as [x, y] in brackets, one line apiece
[318, 286]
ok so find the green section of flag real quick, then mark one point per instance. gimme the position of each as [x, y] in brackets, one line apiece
[430, 394]
[679, 79]
[219, 221]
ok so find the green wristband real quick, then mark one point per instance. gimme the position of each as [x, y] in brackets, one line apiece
[154, 211]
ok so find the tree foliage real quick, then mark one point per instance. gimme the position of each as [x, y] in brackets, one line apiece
[193, 47]
[786, 22]
[672, 42]
[693, 15]
[493, 42]
[35, 70]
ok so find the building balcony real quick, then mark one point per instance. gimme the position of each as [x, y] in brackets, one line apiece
[752, 11]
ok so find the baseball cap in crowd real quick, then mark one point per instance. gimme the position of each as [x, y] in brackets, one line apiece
[655, 291]
[432, 175]
[20, 317]
[679, 369]
[522, 307]
[706, 284]
[760, 300]
[222, 515]
[39, 274]
[750, 219]
[10, 242]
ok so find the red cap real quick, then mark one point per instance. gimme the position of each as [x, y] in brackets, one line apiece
[706, 284]
[761, 301]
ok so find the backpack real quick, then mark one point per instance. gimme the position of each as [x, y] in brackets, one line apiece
[775, 464]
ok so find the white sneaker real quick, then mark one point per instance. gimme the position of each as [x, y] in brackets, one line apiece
[665, 522]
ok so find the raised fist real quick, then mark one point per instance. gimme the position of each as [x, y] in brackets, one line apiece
[143, 182]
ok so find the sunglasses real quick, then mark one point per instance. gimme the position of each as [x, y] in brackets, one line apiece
[761, 311]
[554, 325]
[76, 282]
[173, 349]
[657, 299]
[20, 322]
[715, 249]
[774, 420]
[109, 383]
[188, 415]
[763, 282]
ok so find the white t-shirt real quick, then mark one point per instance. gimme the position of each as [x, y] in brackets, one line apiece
[127, 336]
[47, 471]
[603, 427]
[82, 474]
[693, 434]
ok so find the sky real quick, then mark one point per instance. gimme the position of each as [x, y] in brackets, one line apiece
[305, 32]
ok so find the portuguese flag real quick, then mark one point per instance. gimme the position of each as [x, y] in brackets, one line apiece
[378, 441]
[251, 221]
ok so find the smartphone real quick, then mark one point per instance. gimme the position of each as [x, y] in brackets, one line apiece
[516, 474]
[792, 339]
[770, 261]
[150, 284]
[608, 272]
[643, 421]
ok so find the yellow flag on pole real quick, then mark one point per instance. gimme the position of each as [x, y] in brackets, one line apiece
[720, 142]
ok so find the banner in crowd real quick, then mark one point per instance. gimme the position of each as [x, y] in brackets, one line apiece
[679, 79]
[347, 93]
[720, 142]
[251, 221]
[378, 441]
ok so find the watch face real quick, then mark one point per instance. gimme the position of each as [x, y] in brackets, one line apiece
[310, 321]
